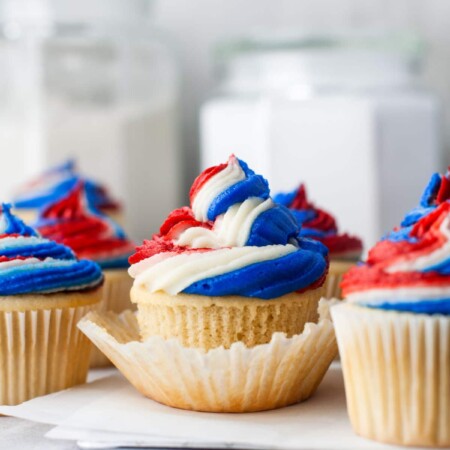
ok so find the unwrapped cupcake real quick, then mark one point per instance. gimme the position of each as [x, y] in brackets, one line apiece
[394, 331]
[315, 223]
[227, 297]
[44, 291]
[56, 182]
[71, 220]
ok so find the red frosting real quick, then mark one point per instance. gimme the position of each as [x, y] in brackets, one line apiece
[425, 237]
[323, 221]
[89, 234]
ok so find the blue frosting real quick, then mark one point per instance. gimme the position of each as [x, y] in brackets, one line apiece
[68, 178]
[419, 306]
[274, 226]
[427, 205]
[252, 186]
[269, 279]
[58, 269]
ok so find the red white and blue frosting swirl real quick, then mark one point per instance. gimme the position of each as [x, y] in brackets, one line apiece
[233, 240]
[58, 181]
[73, 221]
[409, 269]
[30, 264]
[319, 224]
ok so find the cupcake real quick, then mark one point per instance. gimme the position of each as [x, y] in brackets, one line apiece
[57, 182]
[71, 220]
[344, 250]
[228, 293]
[394, 329]
[45, 290]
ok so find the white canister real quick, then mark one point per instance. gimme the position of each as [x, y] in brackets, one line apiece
[91, 80]
[344, 114]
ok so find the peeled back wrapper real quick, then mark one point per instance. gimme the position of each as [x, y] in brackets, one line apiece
[239, 379]
[397, 374]
[116, 298]
[41, 351]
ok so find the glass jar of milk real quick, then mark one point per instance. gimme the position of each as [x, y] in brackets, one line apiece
[93, 81]
[344, 113]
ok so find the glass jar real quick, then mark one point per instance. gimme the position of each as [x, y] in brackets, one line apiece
[345, 113]
[93, 81]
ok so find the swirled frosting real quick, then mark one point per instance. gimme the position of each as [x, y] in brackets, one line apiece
[409, 269]
[320, 225]
[57, 182]
[73, 221]
[233, 240]
[30, 264]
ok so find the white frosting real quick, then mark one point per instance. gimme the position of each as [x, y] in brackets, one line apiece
[221, 181]
[19, 241]
[376, 297]
[431, 259]
[173, 273]
[231, 229]
[31, 263]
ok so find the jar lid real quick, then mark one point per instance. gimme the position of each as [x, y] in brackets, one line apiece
[335, 60]
[73, 11]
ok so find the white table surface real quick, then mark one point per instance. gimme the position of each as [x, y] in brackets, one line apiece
[20, 434]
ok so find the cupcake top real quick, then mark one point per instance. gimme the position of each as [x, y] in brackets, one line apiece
[58, 181]
[73, 221]
[232, 240]
[409, 269]
[30, 264]
[320, 225]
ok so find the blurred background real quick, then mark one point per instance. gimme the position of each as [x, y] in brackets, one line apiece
[349, 96]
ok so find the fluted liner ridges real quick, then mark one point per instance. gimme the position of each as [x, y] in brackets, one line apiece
[116, 297]
[41, 351]
[397, 374]
[238, 379]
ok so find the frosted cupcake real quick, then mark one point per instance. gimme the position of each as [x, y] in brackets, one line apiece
[344, 250]
[44, 291]
[394, 332]
[57, 182]
[227, 292]
[72, 221]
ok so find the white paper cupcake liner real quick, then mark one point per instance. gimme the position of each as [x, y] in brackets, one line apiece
[116, 297]
[397, 374]
[41, 351]
[238, 379]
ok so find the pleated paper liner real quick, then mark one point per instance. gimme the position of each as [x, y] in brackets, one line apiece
[333, 281]
[397, 374]
[116, 298]
[238, 379]
[41, 348]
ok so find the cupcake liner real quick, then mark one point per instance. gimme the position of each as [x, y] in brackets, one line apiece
[116, 298]
[239, 379]
[397, 374]
[333, 281]
[209, 322]
[42, 350]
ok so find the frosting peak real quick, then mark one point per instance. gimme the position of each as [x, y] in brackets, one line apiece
[319, 224]
[233, 240]
[56, 182]
[72, 221]
[30, 264]
[409, 269]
